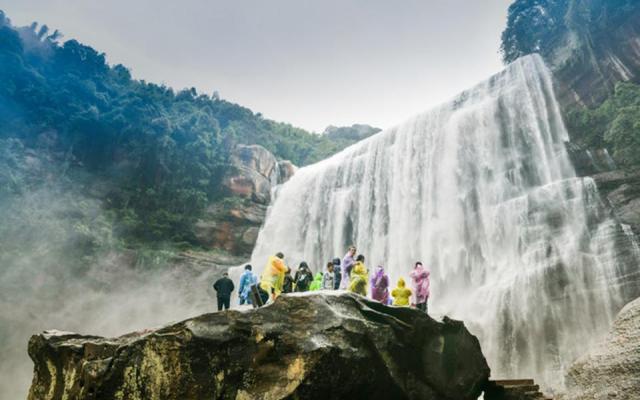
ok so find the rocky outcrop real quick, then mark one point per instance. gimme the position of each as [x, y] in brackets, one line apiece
[590, 44]
[305, 346]
[619, 188]
[231, 224]
[612, 370]
[588, 162]
[622, 191]
[251, 173]
[597, 47]
[601, 59]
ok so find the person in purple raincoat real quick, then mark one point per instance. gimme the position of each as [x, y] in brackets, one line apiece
[380, 286]
[420, 283]
[347, 264]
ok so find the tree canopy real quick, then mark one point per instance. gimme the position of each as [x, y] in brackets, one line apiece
[160, 152]
[615, 124]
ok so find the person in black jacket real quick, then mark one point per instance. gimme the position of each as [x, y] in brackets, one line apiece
[337, 278]
[287, 286]
[223, 287]
[303, 278]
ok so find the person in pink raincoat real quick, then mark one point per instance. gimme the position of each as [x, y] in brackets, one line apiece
[420, 280]
[380, 286]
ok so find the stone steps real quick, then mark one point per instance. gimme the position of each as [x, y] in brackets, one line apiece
[513, 389]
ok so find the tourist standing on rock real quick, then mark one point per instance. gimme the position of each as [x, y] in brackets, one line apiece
[223, 287]
[328, 280]
[420, 278]
[347, 265]
[273, 276]
[317, 282]
[401, 294]
[337, 273]
[247, 279]
[380, 286]
[359, 277]
[287, 286]
[303, 277]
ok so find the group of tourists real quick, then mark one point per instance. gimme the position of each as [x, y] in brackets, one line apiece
[349, 273]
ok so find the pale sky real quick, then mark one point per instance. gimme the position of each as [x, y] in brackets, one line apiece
[309, 63]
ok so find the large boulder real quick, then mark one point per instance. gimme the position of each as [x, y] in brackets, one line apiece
[330, 345]
[611, 370]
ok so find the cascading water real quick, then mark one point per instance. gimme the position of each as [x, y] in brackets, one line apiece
[482, 191]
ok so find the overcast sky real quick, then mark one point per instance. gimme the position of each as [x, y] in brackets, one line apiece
[310, 63]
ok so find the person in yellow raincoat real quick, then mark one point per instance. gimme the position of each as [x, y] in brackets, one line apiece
[401, 294]
[359, 277]
[273, 276]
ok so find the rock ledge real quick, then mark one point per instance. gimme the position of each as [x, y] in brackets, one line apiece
[307, 346]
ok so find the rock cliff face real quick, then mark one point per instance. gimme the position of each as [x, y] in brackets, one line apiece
[311, 346]
[231, 224]
[611, 371]
[594, 60]
[622, 191]
[590, 44]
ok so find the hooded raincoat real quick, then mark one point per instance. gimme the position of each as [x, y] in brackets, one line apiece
[347, 265]
[420, 279]
[303, 279]
[359, 279]
[317, 282]
[401, 294]
[273, 275]
[247, 279]
[380, 286]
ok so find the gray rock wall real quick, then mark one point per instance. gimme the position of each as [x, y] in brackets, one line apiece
[611, 370]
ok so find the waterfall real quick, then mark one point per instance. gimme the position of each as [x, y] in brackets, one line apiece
[482, 191]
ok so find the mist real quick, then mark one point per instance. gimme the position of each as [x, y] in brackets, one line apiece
[59, 274]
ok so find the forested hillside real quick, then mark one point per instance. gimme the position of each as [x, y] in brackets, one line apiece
[154, 156]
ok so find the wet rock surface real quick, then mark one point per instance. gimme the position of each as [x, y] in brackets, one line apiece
[231, 223]
[594, 52]
[622, 191]
[612, 370]
[312, 346]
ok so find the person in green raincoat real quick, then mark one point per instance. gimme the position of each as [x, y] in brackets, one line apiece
[317, 282]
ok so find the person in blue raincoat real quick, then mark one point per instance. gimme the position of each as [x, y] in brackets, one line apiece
[247, 279]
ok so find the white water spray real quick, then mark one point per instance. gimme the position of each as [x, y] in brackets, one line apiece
[482, 191]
